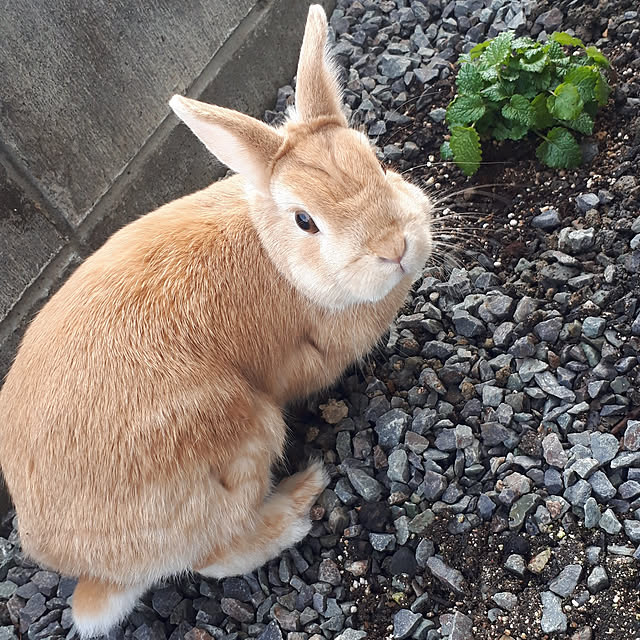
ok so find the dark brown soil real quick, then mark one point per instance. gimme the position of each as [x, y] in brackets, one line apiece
[480, 556]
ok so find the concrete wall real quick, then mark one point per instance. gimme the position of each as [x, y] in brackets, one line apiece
[87, 142]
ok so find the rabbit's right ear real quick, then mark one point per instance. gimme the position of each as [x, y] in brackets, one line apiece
[317, 88]
[243, 143]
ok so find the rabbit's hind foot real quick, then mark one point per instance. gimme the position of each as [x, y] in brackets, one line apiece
[99, 606]
[282, 521]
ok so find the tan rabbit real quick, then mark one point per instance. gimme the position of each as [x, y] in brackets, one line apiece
[143, 413]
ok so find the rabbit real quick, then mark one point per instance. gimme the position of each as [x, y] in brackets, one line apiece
[144, 411]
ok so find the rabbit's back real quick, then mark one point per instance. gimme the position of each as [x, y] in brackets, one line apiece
[127, 382]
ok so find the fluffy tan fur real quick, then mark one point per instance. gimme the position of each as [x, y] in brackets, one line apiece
[142, 415]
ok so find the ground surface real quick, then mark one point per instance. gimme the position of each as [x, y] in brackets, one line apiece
[485, 461]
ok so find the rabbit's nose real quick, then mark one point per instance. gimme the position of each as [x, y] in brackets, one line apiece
[392, 249]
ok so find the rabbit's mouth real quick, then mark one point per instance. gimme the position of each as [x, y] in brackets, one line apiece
[371, 280]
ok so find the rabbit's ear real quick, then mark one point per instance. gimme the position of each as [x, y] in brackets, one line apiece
[317, 90]
[243, 143]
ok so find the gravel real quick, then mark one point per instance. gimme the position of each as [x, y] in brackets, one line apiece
[485, 461]
[566, 581]
[548, 220]
[609, 522]
[632, 436]
[405, 623]
[451, 578]
[553, 619]
[505, 600]
[553, 451]
[597, 580]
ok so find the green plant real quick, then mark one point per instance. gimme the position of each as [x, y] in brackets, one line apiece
[509, 87]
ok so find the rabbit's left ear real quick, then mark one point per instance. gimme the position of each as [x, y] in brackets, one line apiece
[317, 90]
[243, 143]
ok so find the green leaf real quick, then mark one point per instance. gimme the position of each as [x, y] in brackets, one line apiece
[526, 85]
[465, 109]
[465, 145]
[445, 151]
[535, 63]
[602, 90]
[490, 74]
[511, 72]
[566, 40]
[476, 52]
[517, 131]
[498, 50]
[559, 149]
[596, 55]
[565, 103]
[469, 80]
[509, 130]
[500, 130]
[485, 125]
[524, 44]
[497, 92]
[583, 123]
[542, 81]
[519, 110]
[592, 109]
[489, 117]
[584, 80]
[556, 53]
[542, 119]
[533, 53]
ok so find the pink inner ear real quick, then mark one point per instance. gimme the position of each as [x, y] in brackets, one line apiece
[242, 143]
[229, 149]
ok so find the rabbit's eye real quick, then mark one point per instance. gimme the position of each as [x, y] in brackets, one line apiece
[305, 222]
